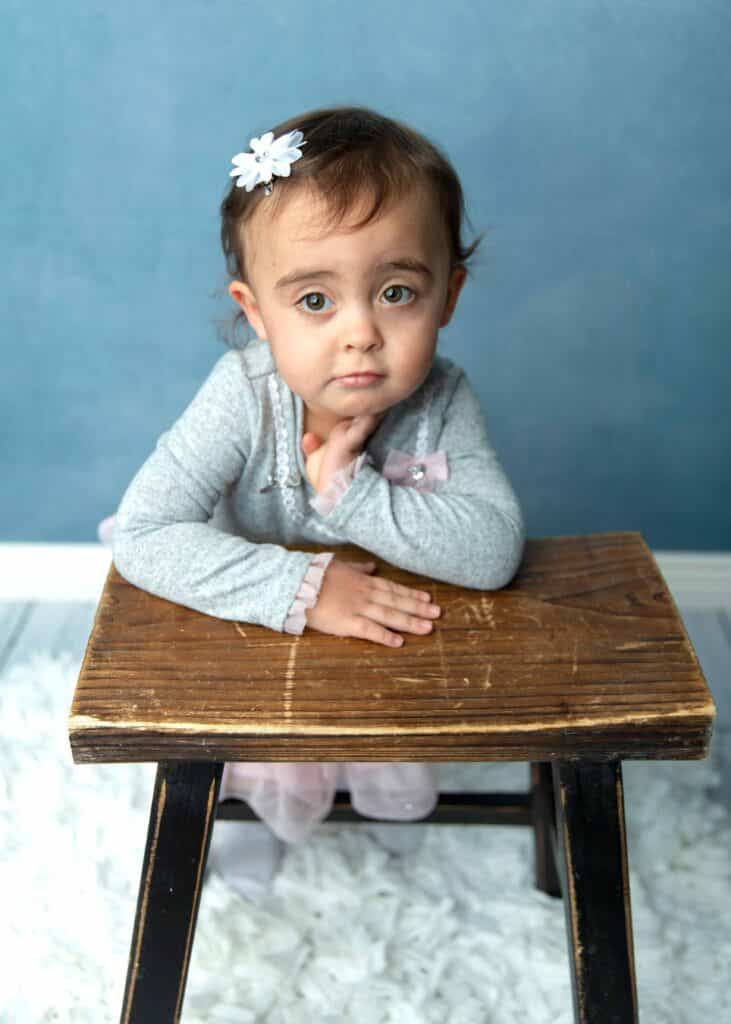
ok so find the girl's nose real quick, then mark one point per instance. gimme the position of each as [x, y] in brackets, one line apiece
[362, 332]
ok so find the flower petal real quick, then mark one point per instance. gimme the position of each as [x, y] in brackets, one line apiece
[244, 161]
[262, 144]
[282, 144]
[282, 168]
[246, 174]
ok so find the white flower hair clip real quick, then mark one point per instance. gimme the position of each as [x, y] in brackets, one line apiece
[271, 156]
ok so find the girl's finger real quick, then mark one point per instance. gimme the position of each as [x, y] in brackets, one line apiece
[398, 588]
[402, 603]
[350, 433]
[310, 443]
[367, 629]
[361, 427]
[386, 615]
[360, 566]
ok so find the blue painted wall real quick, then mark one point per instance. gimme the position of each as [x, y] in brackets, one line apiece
[592, 138]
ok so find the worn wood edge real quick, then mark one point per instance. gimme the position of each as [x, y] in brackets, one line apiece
[688, 643]
[697, 713]
[108, 746]
[628, 748]
[586, 1006]
[87, 650]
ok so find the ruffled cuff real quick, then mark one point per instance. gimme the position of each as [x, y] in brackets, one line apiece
[338, 484]
[308, 593]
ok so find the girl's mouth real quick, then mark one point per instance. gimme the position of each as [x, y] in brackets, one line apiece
[359, 380]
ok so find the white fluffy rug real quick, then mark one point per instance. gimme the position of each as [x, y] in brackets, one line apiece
[452, 933]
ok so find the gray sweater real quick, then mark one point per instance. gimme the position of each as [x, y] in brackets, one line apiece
[204, 520]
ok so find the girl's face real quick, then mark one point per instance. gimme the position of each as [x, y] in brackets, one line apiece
[332, 304]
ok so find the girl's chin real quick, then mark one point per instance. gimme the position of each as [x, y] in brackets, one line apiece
[358, 402]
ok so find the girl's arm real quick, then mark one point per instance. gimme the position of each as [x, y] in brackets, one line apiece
[469, 530]
[163, 542]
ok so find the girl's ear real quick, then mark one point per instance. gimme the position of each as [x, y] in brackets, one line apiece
[243, 296]
[456, 280]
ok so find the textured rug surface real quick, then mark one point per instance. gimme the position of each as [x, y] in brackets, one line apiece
[452, 932]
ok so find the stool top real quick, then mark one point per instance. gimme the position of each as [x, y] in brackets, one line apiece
[583, 655]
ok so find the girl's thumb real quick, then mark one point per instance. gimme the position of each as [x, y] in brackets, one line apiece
[310, 443]
[362, 566]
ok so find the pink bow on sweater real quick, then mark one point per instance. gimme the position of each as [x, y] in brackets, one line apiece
[410, 470]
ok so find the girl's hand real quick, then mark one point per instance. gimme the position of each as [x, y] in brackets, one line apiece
[353, 603]
[346, 440]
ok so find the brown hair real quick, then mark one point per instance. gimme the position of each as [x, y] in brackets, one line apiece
[351, 152]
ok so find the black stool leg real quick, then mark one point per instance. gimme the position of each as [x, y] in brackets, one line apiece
[181, 821]
[595, 882]
[544, 827]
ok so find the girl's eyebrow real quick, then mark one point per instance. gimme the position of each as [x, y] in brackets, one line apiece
[405, 263]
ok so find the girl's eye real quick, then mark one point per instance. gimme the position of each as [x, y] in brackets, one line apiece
[398, 294]
[313, 302]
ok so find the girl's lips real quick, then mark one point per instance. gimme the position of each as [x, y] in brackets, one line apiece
[359, 380]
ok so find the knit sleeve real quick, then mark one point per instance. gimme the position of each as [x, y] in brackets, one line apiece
[163, 539]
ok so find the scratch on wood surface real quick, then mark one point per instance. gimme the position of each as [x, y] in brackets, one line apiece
[149, 698]
[256, 644]
[486, 684]
[289, 678]
[575, 666]
[487, 609]
[239, 630]
[442, 661]
[473, 613]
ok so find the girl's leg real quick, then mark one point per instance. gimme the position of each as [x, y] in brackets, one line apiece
[247, 855]
[393, 791]
[291, 798]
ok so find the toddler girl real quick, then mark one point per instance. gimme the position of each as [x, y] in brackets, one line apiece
[338, 424]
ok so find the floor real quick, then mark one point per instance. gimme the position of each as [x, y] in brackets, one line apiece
[53, 627]
[56, 628]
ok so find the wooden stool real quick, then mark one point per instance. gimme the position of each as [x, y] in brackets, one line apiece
[581, 662]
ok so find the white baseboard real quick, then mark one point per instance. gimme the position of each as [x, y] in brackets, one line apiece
[53, 572]
[76, 572]
[697, 579]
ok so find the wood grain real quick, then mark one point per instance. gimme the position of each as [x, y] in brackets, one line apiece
[584, 655]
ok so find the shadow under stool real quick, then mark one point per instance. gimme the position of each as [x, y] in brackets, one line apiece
[580, 663]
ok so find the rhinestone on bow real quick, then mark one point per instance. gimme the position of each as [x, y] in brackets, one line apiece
[417, 472]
